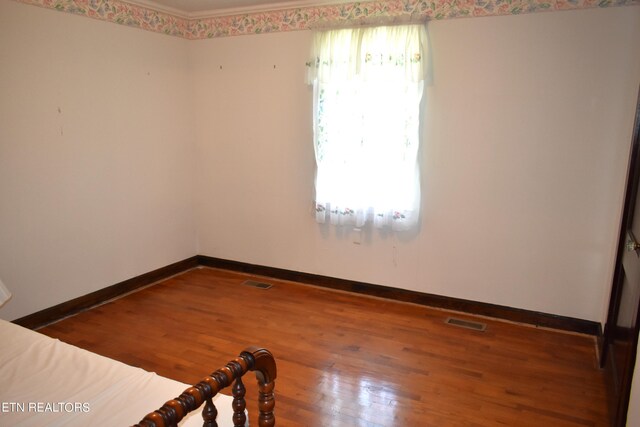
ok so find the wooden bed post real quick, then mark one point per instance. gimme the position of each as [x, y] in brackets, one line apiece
[265, 368]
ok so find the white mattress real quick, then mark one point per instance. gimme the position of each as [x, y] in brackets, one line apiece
[45, 382]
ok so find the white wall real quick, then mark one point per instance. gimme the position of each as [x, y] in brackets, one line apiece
[528, 124]
[527, 129]
[96, 153]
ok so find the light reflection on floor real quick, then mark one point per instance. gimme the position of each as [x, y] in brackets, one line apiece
[353, 397]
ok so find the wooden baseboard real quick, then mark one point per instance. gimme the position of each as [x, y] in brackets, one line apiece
[76, 305]
[472, 307]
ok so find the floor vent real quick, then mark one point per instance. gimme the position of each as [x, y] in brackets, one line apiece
[476, 326]
[259, 285]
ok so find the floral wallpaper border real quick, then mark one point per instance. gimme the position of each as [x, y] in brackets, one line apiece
[303, 18]
[119, 12]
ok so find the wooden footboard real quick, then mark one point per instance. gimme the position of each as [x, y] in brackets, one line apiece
[254, 359]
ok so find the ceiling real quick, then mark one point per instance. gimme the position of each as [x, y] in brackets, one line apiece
[216, 7]
[191, 6]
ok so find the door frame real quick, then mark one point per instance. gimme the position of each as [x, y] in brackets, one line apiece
[619, 393]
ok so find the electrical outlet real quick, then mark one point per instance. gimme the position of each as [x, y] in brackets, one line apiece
[357, 236]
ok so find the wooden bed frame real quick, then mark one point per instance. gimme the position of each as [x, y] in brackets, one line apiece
[255, 359]
[44, 381]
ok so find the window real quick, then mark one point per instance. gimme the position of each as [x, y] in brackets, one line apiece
[368, 83]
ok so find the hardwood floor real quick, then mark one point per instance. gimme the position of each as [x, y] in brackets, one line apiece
[350, 360]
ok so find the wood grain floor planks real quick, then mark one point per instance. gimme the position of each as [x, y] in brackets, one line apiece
[350, 360]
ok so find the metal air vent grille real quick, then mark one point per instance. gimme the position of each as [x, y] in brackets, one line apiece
[467, 324]
[259, 285]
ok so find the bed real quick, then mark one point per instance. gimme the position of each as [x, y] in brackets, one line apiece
[44, 381]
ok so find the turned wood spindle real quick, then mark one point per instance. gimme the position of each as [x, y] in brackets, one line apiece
[209, 414]
[266, 403]
[239, 404]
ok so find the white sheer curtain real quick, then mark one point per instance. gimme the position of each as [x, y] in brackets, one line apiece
[368, 83]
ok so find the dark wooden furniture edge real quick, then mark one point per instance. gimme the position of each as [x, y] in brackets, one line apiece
[619, 399]
[255, 359]
[76, 305]
[472, 307]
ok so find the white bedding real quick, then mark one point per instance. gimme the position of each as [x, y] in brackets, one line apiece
[45, 382]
